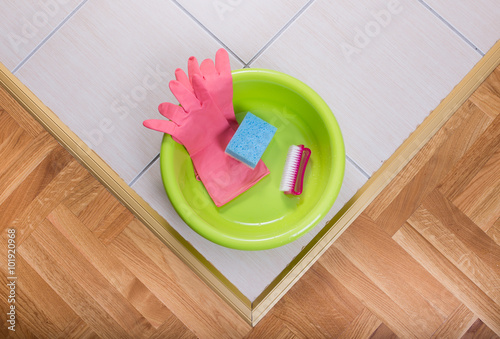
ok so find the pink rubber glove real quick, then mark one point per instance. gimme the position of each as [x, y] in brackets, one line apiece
[200, 126]
[217, 79]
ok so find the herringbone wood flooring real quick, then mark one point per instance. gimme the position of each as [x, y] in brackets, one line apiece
[422, 261]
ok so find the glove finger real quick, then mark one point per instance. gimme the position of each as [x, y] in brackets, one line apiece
[181, 76]
[161, 126]
[222, 64]
[193, 68]
[200, 90]
[173, 112]
[186, 98]
[207, 68]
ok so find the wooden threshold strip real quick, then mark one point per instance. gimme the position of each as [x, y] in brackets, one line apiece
[252, 312]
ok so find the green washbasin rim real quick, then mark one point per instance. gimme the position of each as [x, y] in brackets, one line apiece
[240, 236]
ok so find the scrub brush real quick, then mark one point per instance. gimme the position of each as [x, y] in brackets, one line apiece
[295, 167]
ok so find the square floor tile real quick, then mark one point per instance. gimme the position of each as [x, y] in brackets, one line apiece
[381, 66]
[107, 70]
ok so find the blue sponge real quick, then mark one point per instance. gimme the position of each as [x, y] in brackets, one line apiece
[250, 140]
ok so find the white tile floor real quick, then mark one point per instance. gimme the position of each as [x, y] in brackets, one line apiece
[382, 66]
[380, 92]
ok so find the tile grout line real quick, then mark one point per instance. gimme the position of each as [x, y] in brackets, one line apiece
[450, 26]
[44, 40]
[349, 159]
[144, 170]
[280, 32]
[273, 39]
[151, 163]
[306, 6]
[208, 31]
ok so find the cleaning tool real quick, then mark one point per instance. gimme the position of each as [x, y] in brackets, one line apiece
[199, 125]
[295, 168]
[217, 79]
[250, 140]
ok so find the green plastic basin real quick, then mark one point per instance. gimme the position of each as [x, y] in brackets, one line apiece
[263, 217]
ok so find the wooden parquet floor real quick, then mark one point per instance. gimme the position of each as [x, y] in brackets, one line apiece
[422, 261]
